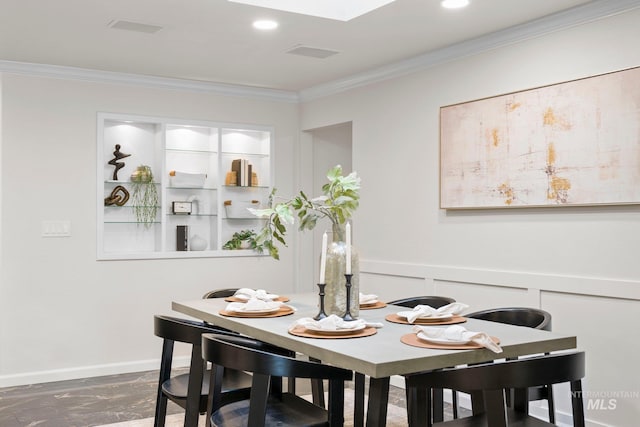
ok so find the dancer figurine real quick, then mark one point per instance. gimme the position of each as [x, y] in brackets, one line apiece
[118, 165]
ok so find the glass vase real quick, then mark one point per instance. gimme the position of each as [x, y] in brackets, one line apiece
[335, 300]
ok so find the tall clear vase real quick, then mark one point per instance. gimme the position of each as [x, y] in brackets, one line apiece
[335, 300]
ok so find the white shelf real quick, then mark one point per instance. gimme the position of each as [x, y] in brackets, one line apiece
[202, 150]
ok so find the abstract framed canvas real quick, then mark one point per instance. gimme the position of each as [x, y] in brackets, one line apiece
[575, 143]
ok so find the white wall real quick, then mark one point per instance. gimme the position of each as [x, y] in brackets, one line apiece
[331, 147]
[578, 263]
[62, 313]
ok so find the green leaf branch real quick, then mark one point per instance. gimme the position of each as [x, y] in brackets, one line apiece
[339, 200]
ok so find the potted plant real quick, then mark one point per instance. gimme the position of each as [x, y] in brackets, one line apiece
[339, 200]
[244, 239]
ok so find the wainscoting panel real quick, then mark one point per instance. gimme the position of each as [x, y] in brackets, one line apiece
[480, 297]
[607, 331]
[394, 287]
[604, 313]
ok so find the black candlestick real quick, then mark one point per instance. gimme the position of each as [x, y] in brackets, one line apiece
[347, 315]
[321, 314]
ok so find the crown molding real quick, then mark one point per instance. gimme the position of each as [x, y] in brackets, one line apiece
[95, 76]
[570, 18]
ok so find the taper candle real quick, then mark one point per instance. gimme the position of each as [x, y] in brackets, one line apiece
[323, 258]
[348, 260]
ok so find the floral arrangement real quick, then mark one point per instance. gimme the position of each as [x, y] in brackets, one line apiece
[339, 201]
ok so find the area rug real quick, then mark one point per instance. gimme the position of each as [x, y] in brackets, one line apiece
[396, 416]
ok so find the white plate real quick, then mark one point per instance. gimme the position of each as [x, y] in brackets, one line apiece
[433, 317]
[336, 331]
[261, 311]
[372, 302]
[444, 341]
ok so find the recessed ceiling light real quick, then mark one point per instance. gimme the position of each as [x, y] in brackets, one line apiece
[454, 4]
[265, 24]
[341, 10]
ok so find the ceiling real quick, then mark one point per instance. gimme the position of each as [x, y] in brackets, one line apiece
[213, 41]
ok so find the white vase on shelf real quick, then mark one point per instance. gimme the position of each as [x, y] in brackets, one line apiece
[197, 243]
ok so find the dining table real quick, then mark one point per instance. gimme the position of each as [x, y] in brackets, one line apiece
[381, 354]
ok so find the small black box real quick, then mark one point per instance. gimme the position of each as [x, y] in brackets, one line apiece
[182, 238]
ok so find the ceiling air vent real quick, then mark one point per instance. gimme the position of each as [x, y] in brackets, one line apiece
[134, 26]
[312, 52]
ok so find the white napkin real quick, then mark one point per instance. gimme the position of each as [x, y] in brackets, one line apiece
[426, 311]
[253, 304]
[458, 333]
[335, 323]
[247, 294]
[368, 298]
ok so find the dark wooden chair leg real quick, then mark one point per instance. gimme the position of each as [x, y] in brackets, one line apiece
[165, 373]
[438, 405]
[454, 403]
[192, 410]
[317, 388]
[577, 404]
[358, 400]
[552, 406]
[336, 412]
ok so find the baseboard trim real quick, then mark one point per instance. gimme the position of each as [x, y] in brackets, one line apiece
[66, 374]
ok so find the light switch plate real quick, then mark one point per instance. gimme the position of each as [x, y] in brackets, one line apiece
[52, 228]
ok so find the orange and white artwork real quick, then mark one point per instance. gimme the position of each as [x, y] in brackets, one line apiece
[574, 143]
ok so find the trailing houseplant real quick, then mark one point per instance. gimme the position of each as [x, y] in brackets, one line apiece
[145, 195]
[339, 200]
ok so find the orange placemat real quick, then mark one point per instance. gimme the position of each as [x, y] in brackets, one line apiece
[450, 321]
[235, 299]
[378, 304]
[301, 331]
[283, 311]
[413, 340]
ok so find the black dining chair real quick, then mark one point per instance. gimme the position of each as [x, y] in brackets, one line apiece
[487, 384]
[265, 408]
[190, 390]
[220, 293]
[531, 318]
[430, 300]
[519, 316]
